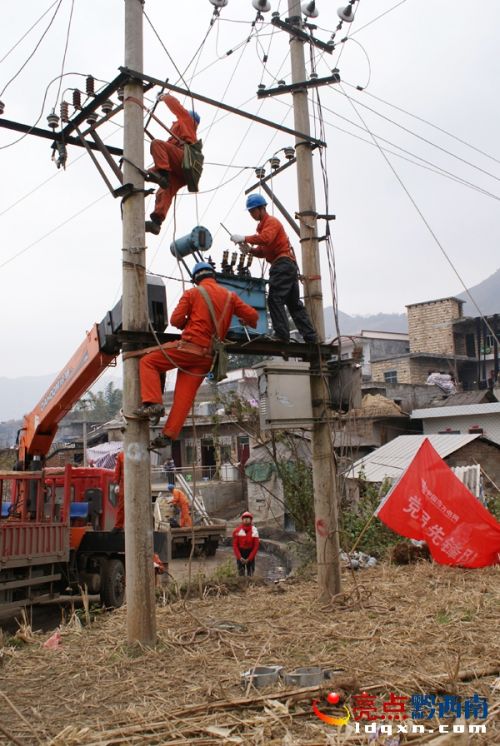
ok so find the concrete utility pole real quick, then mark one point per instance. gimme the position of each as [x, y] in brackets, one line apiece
[141, 615]
[324, 471]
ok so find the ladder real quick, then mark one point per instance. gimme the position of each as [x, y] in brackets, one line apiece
[195, 500]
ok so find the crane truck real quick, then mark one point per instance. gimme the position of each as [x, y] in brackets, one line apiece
[56, 524]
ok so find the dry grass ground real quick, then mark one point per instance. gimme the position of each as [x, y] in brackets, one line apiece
[421, 628]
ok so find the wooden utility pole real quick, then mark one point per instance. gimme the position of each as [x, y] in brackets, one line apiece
[141, 615]
[324, 471]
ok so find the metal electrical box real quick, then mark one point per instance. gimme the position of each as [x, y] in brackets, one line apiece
[251, 290]
[284, 395]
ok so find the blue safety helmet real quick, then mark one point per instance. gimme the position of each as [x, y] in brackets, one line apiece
[194, 115]
[170, 487]
[202, 270]
[255, 200]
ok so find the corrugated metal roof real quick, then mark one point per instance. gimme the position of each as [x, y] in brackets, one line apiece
[466, 397]
[391, 460]
[461, 410]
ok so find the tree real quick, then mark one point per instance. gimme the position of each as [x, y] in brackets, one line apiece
[102, 406]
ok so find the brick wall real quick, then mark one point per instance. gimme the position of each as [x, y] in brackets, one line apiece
[401, 365]
[430, 325]
[408, 370]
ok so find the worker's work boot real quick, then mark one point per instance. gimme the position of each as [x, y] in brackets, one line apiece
[152, 227]
[161, 441]
[150, 411]
[159, 177]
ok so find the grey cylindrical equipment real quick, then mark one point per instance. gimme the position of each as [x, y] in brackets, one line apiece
[200, 239]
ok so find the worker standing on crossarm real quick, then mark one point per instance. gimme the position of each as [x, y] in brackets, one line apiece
[167, 156]
[119, 478]
[180, 501]
[192, 355]
[246, 544]
[273, 245]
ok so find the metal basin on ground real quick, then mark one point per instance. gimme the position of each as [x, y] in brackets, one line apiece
[261, 676]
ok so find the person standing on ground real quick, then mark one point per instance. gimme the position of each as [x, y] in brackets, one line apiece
[119, 478]
[192, 355]
[180, 501]
[167, 156]
[169, 466]
[246, 544]
[273, 244]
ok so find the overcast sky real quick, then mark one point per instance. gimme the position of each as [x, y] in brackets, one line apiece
[436, 60]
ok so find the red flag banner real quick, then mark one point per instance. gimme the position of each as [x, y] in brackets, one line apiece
[429, 503]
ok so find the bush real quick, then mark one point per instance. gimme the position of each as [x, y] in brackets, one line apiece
[353, 519]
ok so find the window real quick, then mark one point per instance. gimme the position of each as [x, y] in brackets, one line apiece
[391, 376]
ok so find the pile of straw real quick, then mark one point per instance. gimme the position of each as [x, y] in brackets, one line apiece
[413, 629]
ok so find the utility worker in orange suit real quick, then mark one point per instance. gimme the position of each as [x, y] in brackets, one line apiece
[167, 156]
[119, 478]
[192, 355]
[273, 244]
[180, 501]
[246, 544]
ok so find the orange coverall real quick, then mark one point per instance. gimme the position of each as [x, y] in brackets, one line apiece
[271, 239]
[119, 478]
[180, 500]
[167, 156]
[273, 245]
[192, 354]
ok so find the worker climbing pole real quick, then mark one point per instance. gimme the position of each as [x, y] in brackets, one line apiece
[177, 161]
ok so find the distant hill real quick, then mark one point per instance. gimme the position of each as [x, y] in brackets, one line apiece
[380, 322]
[486, 294]
[18, 396]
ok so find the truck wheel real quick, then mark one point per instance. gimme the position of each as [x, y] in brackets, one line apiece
[112, 583]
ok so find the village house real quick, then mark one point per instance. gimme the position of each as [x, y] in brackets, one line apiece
[441, 338]
[476, 412]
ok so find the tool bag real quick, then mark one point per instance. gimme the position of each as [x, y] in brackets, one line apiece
[192, 164]
[221, 358]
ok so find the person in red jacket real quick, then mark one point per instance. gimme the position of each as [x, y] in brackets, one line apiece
[246, 544]
[273, 245]
[192, 355]
[167, 157]
[119, 478]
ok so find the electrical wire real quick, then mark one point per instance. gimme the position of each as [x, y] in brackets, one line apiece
[389, 10]
[433, 166]
[28, 31]
[53, 230]
[25, 134]
[425, 121]
[65, 51]
[427, 224]
[419, 137]
[425, 164]
[44, 34]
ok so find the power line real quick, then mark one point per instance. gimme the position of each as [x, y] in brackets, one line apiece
[377, 17]
[53, 230]
[419, 137]
[426, 222]
[44, 34]
[65, 50]
[28, 31]
[14, 142]
[425, 121]
[429, 165]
